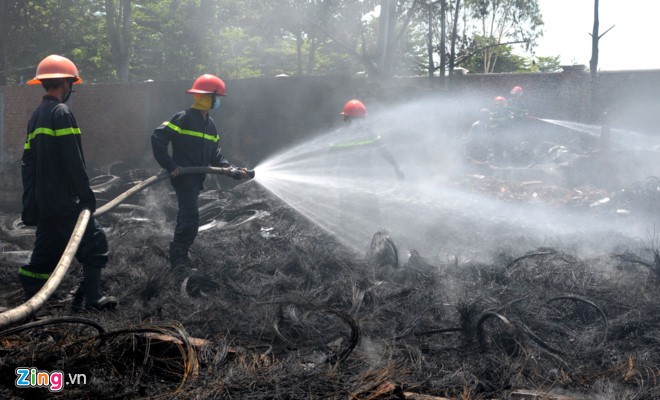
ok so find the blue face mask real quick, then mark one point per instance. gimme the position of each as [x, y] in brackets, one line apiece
[216, 103]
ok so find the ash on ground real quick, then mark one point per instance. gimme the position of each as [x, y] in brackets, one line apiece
[279, 308]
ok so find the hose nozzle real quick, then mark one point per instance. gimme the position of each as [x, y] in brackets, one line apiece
[239, 173]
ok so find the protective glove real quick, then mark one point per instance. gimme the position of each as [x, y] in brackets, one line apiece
[175, 172]
[240, 173]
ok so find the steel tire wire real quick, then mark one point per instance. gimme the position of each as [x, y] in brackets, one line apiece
[511, 328]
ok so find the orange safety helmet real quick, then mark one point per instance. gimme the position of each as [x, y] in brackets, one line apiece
[209, 84]
[55, 66]
[355, 109]
[516, 90]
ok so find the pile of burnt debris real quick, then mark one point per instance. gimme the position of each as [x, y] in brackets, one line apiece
[279, 309]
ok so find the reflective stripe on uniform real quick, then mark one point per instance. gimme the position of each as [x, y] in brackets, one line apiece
[193, 133]
[50, 132]
[34, 275]
[356, 143]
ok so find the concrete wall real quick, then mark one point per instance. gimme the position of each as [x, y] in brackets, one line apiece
[261, 115]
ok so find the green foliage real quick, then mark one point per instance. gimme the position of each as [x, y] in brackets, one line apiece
[548, 64]
[180, 39]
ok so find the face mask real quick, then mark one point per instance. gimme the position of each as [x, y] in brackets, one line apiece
[216, 103]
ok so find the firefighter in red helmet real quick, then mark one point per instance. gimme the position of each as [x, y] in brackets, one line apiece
[358, 135]
[516, 102]
[351, 156]
[56, 189]
[479, 141]
[195, 143]
[354, 109]
[500, 115]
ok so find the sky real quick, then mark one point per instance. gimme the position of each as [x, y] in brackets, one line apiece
[631, 44]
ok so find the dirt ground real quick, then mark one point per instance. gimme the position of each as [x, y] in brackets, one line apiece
[280, 309]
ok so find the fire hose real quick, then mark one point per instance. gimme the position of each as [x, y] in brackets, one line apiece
[28, 308]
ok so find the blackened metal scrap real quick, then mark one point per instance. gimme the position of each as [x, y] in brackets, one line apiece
[485, 316]
[189, 360]
[52, 321]
[301, 321]
[590, 303]
[302, 265]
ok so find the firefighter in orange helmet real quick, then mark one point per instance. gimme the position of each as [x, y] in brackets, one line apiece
[195, 143]
[56, 189]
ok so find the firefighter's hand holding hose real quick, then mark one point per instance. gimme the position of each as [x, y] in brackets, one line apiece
[241, 173]
[175, 172]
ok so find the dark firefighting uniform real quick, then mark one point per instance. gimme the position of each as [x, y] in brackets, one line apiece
[517, 106]
[351, 157]
[55, 190]
[195, 143]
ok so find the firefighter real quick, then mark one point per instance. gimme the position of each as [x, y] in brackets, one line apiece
[56, 189]
[516, 103]
[351, 154]
[500, 115]
[195, 143]
[479, 141]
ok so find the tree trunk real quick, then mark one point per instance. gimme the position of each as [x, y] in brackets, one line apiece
[119, 35]
[454, 34]
[311, 56]
[386, 24]
[593, 64]
[429, 43]
[4, 36]
[299, 43]
[443, 41]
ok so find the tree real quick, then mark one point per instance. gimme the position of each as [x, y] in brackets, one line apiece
[454, 39]
[504, 21]
[506, 60]
[4, 34]
[593, 63]
[548, 64]
[118, 18]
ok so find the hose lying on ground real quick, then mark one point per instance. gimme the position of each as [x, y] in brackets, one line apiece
[28, 308]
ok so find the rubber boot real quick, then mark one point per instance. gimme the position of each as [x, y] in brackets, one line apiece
[94, 298]
[79, 298]
[30, 285]
[180, 260]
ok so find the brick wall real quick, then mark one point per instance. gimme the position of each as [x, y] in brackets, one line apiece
[261, 115]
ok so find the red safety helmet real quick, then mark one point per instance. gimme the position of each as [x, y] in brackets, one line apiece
[516, 90]
[208, 83]
[354, 109]
[55, 66]
[499, 100]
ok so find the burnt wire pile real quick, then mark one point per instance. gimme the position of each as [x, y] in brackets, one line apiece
[279, 309]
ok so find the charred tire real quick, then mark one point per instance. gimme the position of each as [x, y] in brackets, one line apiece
[104, 183]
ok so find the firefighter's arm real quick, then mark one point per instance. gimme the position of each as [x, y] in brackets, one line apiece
[160, 139]
[219, 160]
[385, 153]
[71, 157]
